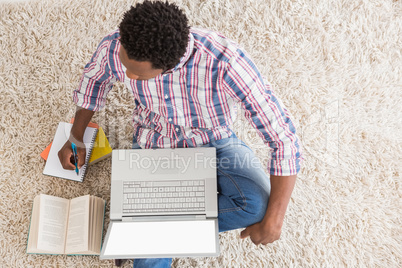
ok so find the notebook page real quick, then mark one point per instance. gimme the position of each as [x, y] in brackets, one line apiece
[53, 166]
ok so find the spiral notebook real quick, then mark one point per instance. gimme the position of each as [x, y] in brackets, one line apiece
[53, 166]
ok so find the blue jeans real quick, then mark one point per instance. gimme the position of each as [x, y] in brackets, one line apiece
[243, 188]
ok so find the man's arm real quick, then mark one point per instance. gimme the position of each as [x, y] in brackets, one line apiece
[269, 117]
[269, 229]
[90, 96]
[82, 118]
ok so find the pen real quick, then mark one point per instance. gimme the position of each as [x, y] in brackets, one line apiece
[75, 156]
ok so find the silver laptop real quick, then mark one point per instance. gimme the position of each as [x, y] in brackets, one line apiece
[163, 204]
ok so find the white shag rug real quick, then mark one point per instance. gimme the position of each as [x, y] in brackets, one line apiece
[337, 66]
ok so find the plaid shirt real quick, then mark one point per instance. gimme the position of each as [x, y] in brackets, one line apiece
[195, 102]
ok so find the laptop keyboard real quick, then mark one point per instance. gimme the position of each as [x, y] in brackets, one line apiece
[163, 196]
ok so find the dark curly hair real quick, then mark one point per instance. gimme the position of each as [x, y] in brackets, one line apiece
[156, 32]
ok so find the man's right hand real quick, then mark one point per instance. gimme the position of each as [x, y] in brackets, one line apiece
[66, 156]
[82, 118]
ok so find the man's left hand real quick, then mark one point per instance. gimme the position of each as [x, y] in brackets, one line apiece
[262, 232]
[270, 228]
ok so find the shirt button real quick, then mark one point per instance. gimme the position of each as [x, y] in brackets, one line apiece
[170, 119]
[166, 97]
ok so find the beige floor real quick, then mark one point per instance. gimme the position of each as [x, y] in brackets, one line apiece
[336, 66]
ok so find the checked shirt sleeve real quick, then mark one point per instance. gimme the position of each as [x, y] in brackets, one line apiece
[97, 80]
[265, 113]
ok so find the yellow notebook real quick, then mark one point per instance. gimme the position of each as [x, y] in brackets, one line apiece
[101, 148]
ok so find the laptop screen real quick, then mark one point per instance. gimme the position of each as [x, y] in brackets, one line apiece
[161, 239]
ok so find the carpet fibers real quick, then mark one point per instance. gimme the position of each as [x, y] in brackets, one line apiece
[336, 65]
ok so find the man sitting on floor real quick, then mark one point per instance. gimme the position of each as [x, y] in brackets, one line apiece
[186, 84]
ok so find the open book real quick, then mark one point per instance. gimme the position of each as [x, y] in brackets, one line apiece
[63, 226]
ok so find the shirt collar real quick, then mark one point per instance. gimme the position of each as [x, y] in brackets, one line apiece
[186, 57]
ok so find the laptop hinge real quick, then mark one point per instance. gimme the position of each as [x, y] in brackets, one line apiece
[165, 218]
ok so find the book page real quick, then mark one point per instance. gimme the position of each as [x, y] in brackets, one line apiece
[33, 227]
[91, 223]
[53, 214]
[100, 215]
[77, 233]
